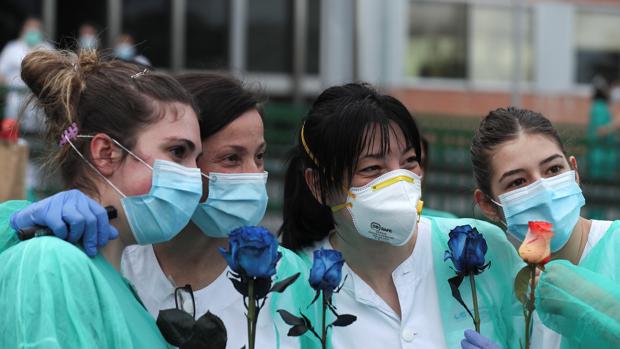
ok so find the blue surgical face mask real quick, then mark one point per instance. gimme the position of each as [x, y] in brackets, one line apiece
[88, 42]
[235, 200]
[557, 200]
[125, 51]
[33, 37]
[166, 209]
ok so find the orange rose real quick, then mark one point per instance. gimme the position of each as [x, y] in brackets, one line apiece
[535, 249]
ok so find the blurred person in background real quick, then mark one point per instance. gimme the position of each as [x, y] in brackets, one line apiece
[87, 36]
[602, 155]
[29, 118]
[125, 49]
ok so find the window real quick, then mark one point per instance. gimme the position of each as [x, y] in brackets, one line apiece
[597, 45]
[437, 42]
[493, 45]
[313, 37]
[12, 16]
[207, 34]
[148, 21]
[269, 36]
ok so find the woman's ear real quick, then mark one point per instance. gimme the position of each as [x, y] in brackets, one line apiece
[573, 164]
[486, 205]
[311, 182]
[104, 154]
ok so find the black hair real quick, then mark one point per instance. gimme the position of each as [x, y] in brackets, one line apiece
[500, 126]
[424, 156]
[340, 124]
[220, 98]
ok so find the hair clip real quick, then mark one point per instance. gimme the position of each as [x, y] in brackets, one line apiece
[139, 74]
[69, 134]
[305, 145]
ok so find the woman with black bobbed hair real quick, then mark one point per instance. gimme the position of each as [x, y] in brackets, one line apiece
[353, 184]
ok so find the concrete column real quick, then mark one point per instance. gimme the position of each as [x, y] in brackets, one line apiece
[553, 51]
[336, 61]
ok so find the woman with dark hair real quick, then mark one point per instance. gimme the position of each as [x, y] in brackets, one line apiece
[234, 195]
[353, 184]
[128, 139]
[523, 174]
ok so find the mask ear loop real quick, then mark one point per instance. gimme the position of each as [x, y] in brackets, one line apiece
[502, 207]
[93, 166]
[346, 204]
[125, 149]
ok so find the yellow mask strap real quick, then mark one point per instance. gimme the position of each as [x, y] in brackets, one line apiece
[391, 181]
[419, 209]
[346, 204]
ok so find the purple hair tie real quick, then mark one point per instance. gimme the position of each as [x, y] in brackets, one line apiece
[69, 134]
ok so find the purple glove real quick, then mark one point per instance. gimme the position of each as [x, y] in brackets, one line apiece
[474, 340]
[71, 216]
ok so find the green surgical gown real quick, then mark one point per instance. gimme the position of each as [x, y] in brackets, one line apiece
[53, 296]
[582, 302]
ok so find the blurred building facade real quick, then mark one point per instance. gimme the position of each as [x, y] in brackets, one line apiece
[456, 57]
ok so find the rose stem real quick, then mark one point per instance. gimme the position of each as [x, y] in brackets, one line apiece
[475, 297]
[324, 334]
[251, 313]
[530, 308]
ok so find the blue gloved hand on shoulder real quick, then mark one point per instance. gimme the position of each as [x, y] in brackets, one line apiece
[474, 340]
[71, 216]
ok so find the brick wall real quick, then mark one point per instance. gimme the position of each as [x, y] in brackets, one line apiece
[573, 109]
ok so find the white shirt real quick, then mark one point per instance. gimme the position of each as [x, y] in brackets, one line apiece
[544, 337]
[377, 325]
[139, 264]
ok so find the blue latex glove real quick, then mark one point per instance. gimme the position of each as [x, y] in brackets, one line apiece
[474, 340]
[71, 216]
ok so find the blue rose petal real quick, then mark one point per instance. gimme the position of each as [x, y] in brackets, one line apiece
[252, 251]
[466, 249]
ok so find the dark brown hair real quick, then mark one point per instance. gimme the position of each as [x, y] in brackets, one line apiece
[220, 98]
[500, 126]
[100, 96]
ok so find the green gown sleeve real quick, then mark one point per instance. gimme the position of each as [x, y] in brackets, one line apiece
[295, 298]
[581, 305]
[52, 296]
[8, 237]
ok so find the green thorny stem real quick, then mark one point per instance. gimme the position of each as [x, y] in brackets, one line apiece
[251, 314]
[324, 333]
[529, 310]
[474, 295]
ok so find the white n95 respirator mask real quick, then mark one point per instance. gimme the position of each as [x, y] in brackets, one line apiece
[388, 208]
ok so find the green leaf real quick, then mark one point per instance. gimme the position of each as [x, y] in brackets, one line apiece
[522, 285]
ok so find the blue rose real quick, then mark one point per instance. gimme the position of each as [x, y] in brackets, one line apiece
[252, 251]
[467, 249]
[326, 272]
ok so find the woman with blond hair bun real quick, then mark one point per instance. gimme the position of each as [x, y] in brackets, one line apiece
[129, 139]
